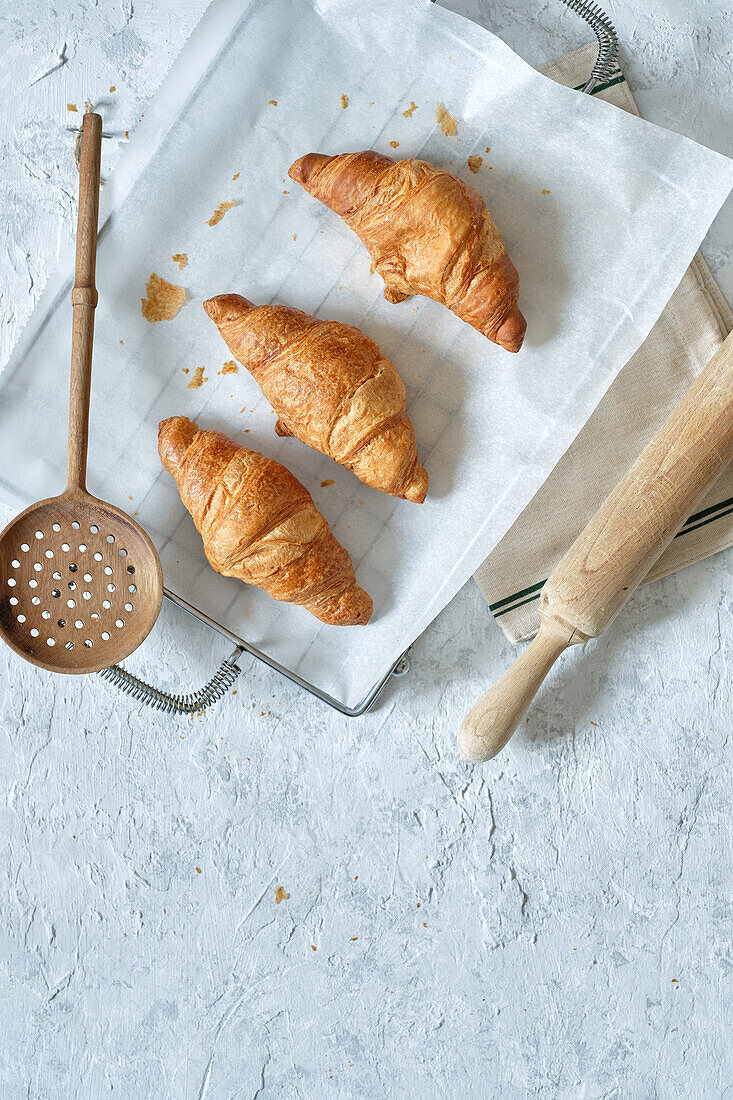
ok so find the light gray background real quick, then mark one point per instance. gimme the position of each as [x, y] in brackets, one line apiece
[503, 931]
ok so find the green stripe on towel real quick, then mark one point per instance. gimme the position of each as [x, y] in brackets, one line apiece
[694, 523]
[618, 78]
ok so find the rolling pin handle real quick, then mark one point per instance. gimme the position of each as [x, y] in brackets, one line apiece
[493, 719]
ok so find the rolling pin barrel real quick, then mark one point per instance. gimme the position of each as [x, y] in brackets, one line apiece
[617, 548]
[636, 523]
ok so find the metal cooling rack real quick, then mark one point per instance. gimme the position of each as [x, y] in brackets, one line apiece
[194, 702]
[228, 671]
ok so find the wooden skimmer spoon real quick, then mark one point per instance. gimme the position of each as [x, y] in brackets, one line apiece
[617, 548]
[80, 582]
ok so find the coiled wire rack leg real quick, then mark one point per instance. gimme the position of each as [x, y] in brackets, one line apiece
[604, 30]
[193, 703]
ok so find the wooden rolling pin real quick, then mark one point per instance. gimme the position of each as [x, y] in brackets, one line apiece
[617, 548]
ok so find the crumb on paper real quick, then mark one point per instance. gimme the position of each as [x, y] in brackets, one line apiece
[445, 120]
[273, 102]
[487, 149]
[163, 300]
[593, 723]
[293, 236]
[313, 947]
[230, 367]
[544, 191]
[344, 100]
[328, 481]
[71, 107]
[394, 144]
[122, 341]
[127, 134]
[410, 110]
[281, 894]
[474, 163]
[185, 370]
[197, 380]
[236, 176]
[286, 192]
[112, 88]
[180, 258]
[198, 870]
[221, 211]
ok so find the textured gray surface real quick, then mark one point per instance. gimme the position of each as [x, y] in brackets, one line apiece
[505, 931]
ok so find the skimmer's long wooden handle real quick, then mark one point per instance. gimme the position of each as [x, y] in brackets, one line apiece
[617, 548]
[84, 301]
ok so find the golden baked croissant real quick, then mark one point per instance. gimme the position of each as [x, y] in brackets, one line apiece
[259, 524]
[427, 233]
[330, 386]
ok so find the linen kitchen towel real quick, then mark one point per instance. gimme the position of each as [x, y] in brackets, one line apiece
[692, 326]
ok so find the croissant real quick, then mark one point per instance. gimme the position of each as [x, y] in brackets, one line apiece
[427, 233]
[330, 386]
[259, 524]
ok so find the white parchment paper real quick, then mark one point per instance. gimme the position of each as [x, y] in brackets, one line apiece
[601, 212]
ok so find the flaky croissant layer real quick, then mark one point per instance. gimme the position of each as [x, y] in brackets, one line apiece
[259, 524]
[427, 232]
[331, 387]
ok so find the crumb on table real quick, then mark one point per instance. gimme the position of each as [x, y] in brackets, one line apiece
[163, 299]
[445, 120]
[221, 211]
[197, 380]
